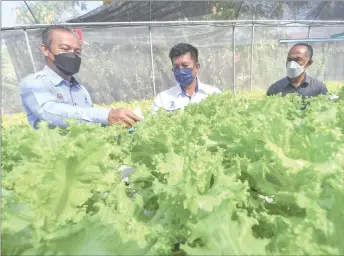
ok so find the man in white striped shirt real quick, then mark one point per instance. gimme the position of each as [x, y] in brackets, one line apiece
[189, 89]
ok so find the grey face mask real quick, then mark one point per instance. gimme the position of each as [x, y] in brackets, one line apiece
[294, 69]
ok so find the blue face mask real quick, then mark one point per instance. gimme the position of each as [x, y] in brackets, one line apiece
[183, 76]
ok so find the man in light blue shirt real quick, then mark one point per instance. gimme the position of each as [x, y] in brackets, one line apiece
[189, 89]
[53, 94]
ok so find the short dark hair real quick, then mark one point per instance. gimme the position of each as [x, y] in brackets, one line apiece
[309, 48]
[46, 34]
[182, 49]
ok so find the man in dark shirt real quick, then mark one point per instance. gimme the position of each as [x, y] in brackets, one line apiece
[297, 81]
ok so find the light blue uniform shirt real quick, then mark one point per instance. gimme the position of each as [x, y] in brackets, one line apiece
[175, 98]
[48, 97]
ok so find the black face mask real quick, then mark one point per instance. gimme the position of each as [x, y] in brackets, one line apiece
[68, 63]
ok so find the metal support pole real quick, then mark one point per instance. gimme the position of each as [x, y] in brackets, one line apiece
[251, 64]
[234, 79]
[33, 16]
[30, 52]
[152, 60]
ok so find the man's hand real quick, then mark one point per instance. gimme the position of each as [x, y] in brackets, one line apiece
[122, 116]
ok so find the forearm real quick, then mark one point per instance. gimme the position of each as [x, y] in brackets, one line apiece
[57, 113]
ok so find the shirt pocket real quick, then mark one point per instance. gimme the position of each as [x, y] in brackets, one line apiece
[80, 99]
[62, 95]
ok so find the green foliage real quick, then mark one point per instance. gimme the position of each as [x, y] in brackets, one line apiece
[234, 175]
[9, 84]
[46, 12]
[334, 86]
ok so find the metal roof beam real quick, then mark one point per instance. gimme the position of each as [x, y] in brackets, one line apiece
[310, 40]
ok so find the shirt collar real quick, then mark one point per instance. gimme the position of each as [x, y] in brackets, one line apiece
[306, 80]
[198, 88]
[56, 79]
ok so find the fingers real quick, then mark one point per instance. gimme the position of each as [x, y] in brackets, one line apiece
[133, 116]
[124, 124]
[123, 116]
[128, 121]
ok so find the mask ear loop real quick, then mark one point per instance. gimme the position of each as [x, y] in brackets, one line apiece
[304, 66]
[52, 54]
[55, 68]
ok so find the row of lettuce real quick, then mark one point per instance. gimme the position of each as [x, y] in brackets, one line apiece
[233, 175]
[146, 104]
